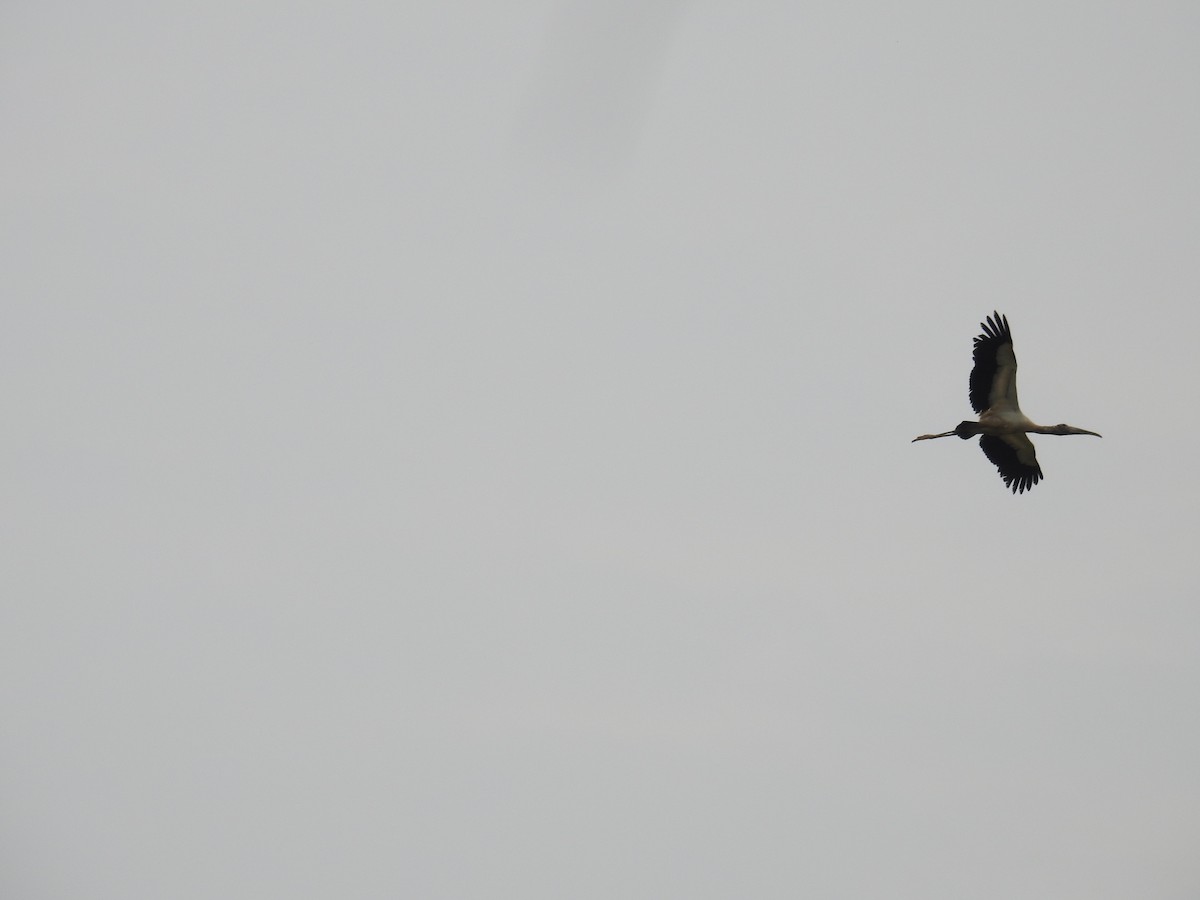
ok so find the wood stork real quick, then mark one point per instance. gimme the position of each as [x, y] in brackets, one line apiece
[1002, 427]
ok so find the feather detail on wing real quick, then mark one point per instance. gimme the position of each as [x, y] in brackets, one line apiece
[1014, 455]
[994, 377]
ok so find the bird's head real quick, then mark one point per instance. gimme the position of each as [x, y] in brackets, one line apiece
[1070, 429]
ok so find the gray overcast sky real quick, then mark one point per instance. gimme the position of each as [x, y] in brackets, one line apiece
[461, 450]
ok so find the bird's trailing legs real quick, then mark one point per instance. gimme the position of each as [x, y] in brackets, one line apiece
[965, 430]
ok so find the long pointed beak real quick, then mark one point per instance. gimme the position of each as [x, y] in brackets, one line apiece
[1085, 431]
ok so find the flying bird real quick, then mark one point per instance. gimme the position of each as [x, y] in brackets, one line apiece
[1002, 428]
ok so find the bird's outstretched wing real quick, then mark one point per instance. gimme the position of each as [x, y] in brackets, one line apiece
[1015, 457]
[994, 378]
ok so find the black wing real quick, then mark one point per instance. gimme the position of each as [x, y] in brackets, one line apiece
[1016, 459]
[987, 345]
